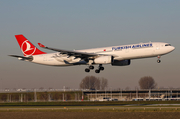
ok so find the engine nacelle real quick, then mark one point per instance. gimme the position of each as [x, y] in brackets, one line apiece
[103, 60]
[121, 62]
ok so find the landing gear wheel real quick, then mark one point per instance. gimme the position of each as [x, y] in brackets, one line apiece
[87, 70]
[91, 67]
[101, 68]
[158, 61]
[97, 71]
[100, 65]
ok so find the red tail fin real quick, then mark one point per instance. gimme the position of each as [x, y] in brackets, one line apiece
[27, 47]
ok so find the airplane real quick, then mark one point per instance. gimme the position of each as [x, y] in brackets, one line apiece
[114, 55]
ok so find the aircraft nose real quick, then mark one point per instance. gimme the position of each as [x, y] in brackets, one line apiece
[173, 48]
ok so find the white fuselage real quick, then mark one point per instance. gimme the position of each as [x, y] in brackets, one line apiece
[123, 52]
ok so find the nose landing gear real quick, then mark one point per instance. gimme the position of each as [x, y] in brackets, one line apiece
[159, 61]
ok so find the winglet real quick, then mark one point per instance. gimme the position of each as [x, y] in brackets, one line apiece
[41, 45]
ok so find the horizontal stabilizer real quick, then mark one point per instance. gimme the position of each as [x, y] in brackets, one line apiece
[30, 58]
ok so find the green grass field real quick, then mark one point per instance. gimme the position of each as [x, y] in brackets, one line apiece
[89, 112]
[90, 108]
[122, 106]
[87, 103]
[94, 109]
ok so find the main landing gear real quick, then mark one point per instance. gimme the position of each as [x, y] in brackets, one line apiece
[100, 68]
[88, 69]
[159, 61]
[90, 62]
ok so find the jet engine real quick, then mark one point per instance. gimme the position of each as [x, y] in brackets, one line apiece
[121, 62]
[103, 60]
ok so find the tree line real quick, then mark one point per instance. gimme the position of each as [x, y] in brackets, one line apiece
[93, 83]
[96, 83]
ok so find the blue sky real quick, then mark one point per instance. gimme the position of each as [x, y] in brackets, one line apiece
[82, 24]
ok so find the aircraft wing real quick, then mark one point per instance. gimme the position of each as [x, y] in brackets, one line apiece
[76, 54]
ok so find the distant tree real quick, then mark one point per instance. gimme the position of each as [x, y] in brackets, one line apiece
[57, 96]
[136, 88]
[90, 82]
[3, 97]
[67, 87]
[147, 82]
[68, 97]
[118, 88]
[30, 96]
[15, 97]
[127, 88]
[44, 96]
[41, 88]
[161, 87]
[103, 83]
[170, 87]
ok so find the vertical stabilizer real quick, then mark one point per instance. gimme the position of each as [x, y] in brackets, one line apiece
[27, 47]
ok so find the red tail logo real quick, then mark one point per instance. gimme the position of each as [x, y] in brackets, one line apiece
[27, 47]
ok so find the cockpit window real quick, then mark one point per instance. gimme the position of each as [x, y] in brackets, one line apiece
[168, 45]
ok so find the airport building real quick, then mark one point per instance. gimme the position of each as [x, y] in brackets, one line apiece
[36, 95]
[134, 95]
